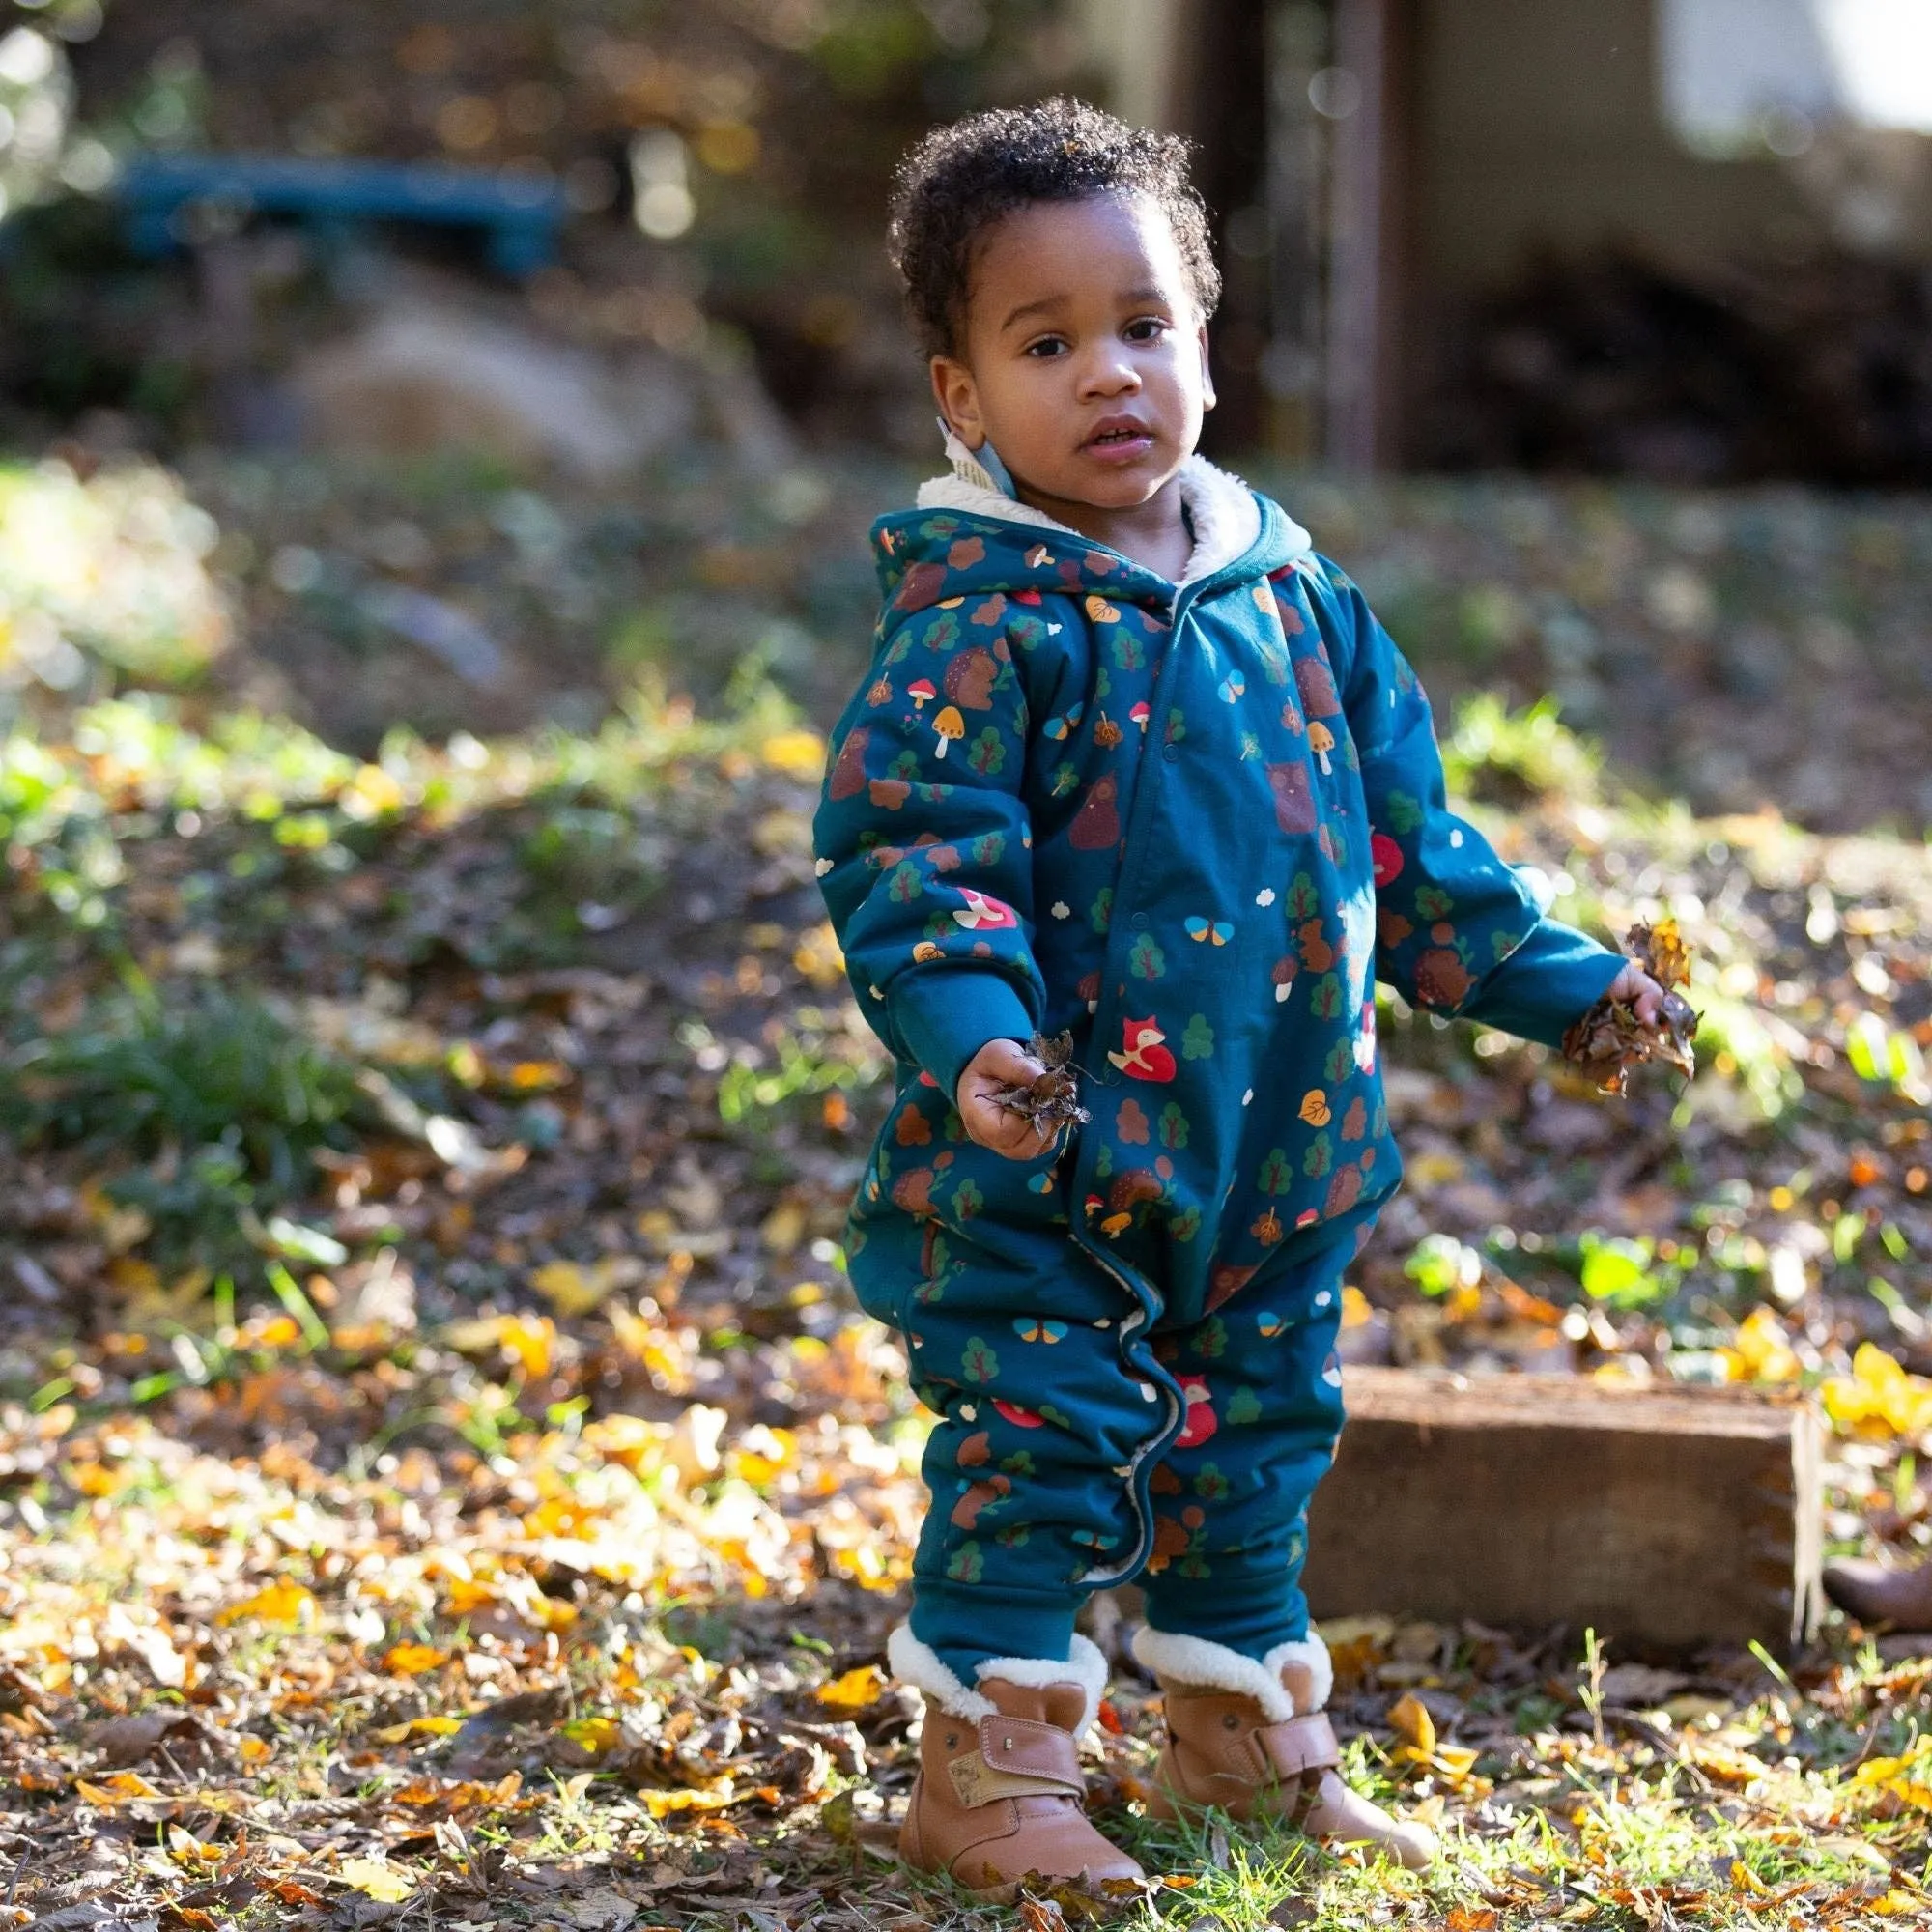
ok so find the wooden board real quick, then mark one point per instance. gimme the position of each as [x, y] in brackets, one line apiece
[1662, 1519]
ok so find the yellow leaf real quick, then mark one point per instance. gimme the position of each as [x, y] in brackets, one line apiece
[283, 1603]
[662, 1803]
[119, 1789]
[857, 1690]
[1879, 1396]
[572, 1291]
[253, 1750]
[798, 753]
[377, 1877]
[593, 1734]
[185, 1846]
[411, 1660]
[435, 1727]
[1762, 1347]
[1409, 1719]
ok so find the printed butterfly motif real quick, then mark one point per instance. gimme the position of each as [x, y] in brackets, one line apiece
[1062, 726]
[1219, 930]
[1029, 1331]
[1233, 686]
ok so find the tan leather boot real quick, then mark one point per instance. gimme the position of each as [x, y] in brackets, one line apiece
[1875, 1593]
[1254, 1739]
[1000, 1792]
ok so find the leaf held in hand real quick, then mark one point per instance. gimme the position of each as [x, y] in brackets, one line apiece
[1051, 1100]
[1610, 1040]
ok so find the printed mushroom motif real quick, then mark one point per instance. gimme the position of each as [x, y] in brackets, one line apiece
[949, 725]
[1320, 741]
[1140, 714]
[919, 690]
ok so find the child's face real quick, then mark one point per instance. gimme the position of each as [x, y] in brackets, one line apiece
[1084, 358]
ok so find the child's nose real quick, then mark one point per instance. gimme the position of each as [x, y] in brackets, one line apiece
[1109, 373]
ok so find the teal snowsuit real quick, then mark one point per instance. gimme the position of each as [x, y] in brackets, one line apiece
[1191, 825]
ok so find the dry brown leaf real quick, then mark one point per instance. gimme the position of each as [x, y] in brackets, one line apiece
[1610, 1040]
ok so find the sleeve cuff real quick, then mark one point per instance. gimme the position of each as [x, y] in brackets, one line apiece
[1547, 984]
[945, 1015]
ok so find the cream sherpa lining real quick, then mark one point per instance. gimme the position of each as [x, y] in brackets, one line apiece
[1222, 508]
[1175, 1658]
[917, 1664]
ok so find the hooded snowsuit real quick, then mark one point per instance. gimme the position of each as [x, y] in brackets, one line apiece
[1192, 824]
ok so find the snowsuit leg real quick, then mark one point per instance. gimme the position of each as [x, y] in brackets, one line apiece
[1263, 1385]
[1030, 1353]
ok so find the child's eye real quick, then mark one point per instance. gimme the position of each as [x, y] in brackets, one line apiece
[1145, 329]
[1047, 345]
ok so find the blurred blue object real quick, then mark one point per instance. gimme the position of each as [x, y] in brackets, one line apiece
[522, 216]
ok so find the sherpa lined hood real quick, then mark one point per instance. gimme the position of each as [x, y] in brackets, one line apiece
[918, 551]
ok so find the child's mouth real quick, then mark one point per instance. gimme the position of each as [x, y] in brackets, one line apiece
[1125, 440]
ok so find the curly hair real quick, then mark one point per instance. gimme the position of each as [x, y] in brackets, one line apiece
[963, 178]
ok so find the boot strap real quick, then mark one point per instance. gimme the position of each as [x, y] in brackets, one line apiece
[1300, 1745]
[1017, 1758]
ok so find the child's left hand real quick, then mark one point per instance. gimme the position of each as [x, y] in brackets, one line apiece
[1637, 990]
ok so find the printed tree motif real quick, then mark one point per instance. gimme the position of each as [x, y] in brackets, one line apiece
[1276, 1175]
[1127, 650]
[1433, 902]
[1018, 1464]
[942, 633]
[1210, 1485]
[1177, 725]
[1319, 1157]
[1405, 812]
[1325, 1002]
[1104, 684]
[979, 1363]
[1210, 1339]
[1196, 1038]
[904, 767]
[1027, 632]
[1303, 901]
[1251, 746]
[1147, 961]
[1013, 1536]
[1064, 777]
[1341, 1059]
[1186, 1225]
[989, 754]
[967, 1564]
[1243, 1406]
[988, 848]
[967, 1199]
[1173, 1127]
[905, 884]
[1501, 945]
[1100, 914]
[1103, 1161]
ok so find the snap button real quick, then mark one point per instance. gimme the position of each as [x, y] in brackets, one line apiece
[1170, 753]
[1140, 919]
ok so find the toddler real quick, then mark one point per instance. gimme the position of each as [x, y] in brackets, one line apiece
[1132, 762]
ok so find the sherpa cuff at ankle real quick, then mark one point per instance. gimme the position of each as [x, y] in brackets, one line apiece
[1201, 1663]
[919, 1664]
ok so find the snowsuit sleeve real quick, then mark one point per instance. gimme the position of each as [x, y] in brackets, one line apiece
[923, 843]
[1459, 931]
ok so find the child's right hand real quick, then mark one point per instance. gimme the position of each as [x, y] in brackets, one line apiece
[1000, 1062]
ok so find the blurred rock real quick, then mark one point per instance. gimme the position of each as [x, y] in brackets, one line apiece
[428, 372]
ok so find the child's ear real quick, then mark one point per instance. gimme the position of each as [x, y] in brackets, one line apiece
[958, 398]
[1206, 371]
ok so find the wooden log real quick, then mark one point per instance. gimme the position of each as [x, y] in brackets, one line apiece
[1661, 1518]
